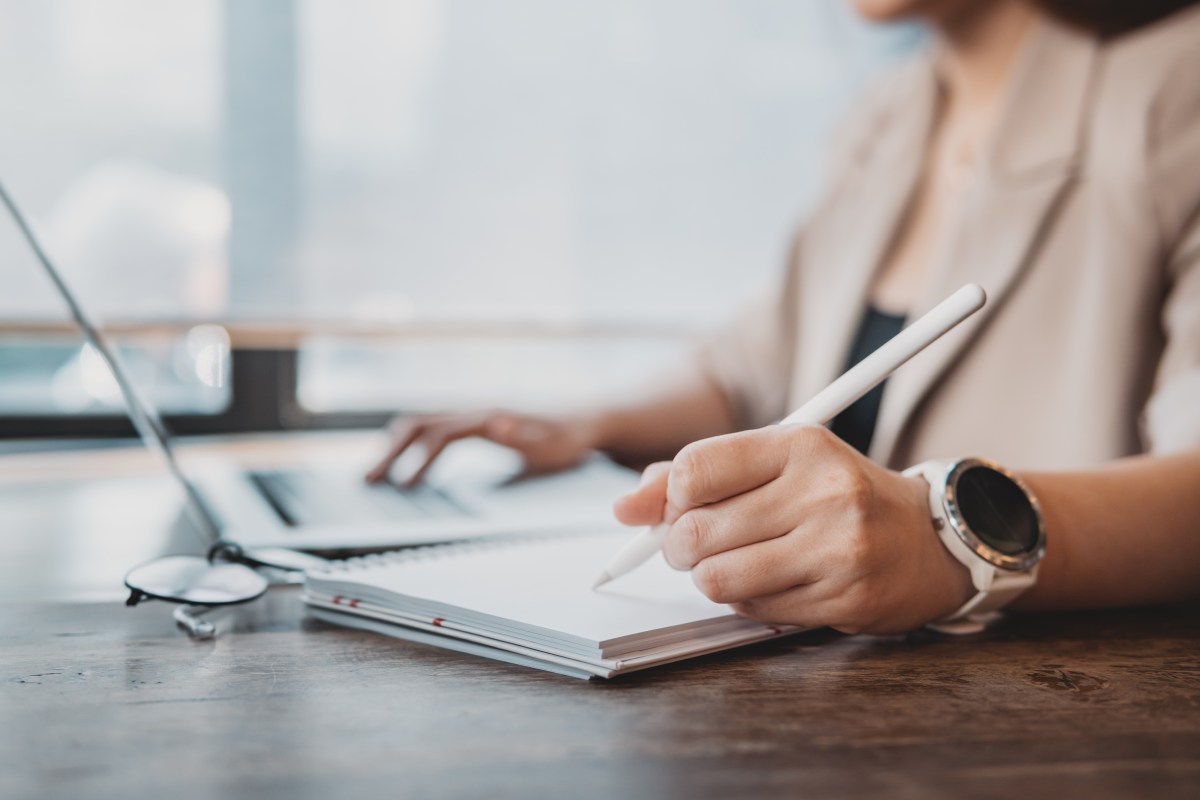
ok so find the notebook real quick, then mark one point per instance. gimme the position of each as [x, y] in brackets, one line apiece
[529, 601]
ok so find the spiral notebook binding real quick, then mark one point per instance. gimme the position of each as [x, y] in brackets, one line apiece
[431, 552]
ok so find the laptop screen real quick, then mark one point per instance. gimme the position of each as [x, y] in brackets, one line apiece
[145, 417]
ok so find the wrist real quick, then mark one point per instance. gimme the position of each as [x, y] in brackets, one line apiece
[619, 432]
[1053, 567]
[591, 430]
[950, 587]
[991, 523]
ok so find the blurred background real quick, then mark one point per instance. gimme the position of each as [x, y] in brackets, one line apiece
[311, 213]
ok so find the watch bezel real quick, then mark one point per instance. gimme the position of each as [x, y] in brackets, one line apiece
[976, 545]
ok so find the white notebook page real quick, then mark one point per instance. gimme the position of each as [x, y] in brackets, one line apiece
[543, 583]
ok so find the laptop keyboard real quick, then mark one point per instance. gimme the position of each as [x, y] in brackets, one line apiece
[309, 497]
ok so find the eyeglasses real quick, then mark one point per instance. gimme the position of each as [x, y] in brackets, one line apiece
[228, 575]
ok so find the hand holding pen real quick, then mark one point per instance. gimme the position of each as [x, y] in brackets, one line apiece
[790, 525]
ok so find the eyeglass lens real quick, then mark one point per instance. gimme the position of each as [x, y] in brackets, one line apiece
[194, 580]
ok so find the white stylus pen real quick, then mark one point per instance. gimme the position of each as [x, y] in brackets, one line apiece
[835, 398]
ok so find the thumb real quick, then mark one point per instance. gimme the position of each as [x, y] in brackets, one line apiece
[645, 504]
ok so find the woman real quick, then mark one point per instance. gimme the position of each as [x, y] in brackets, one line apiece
[1049, 151]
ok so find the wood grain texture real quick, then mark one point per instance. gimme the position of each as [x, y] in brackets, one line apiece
[100, 701]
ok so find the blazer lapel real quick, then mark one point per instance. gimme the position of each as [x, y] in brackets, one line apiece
[1035, 152]
[855, 238]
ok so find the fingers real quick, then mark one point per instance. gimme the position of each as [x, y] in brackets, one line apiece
[714, 469]
[816, 605]
[644, 505]
[433, 434]
[805, 606]
[759, 515]
[435, 443]
[407, 433]
[545, 444]
[757, 570]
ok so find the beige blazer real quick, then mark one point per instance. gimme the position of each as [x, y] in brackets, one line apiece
[1083, 225]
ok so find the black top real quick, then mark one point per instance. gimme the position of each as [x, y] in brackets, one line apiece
[856, 425]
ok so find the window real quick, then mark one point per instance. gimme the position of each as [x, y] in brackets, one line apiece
[113, 146]
[615, 172]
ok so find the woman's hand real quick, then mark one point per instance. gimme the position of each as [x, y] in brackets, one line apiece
[788, 524]
[547, 444]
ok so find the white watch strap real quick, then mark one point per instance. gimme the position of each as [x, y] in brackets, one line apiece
[1005, 588]
[995, 587]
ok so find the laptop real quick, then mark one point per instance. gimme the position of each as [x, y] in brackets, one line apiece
[475, 489]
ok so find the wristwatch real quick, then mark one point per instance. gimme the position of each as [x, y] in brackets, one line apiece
[991, 523]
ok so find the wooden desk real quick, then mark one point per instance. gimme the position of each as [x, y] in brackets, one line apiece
[100, 701]
[103, 701]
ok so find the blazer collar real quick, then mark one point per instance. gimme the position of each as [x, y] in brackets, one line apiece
[1035, 150]
[885, 166]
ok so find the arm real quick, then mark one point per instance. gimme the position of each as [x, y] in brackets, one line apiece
[736, 379]
[1129, 532]
[1125, 534]
[660, 423]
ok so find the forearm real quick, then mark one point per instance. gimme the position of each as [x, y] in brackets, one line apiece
[1124, 534]
[656, 425]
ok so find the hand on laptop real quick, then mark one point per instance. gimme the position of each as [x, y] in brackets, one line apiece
[547, 444]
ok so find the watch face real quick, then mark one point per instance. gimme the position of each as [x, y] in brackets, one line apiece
[997, 511]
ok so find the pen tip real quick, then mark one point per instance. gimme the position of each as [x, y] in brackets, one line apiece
[603, 579]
